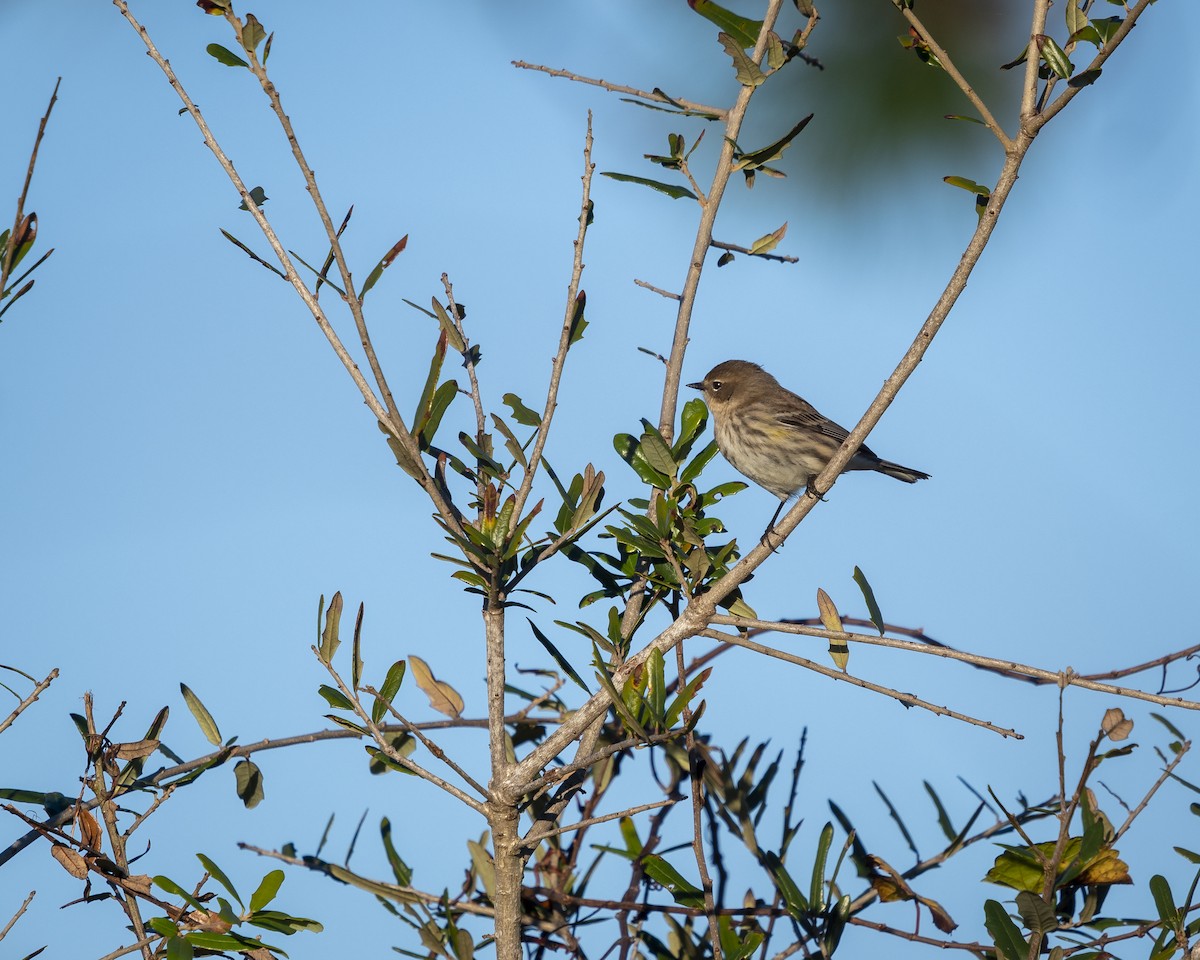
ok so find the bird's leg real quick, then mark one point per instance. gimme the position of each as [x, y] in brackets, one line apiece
[808, 488]
[771, 526]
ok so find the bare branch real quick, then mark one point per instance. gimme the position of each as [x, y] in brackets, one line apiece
[656, 96]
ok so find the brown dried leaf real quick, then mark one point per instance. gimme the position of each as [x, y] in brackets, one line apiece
[1115, 724]
[135, 750]
[90, 835]
[442, 697]
[71, 861]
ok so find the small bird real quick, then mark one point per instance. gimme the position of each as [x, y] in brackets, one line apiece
[776, 438]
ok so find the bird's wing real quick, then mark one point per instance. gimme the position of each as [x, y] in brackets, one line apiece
[804, 415]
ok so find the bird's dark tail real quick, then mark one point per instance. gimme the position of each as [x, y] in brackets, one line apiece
[907, 474]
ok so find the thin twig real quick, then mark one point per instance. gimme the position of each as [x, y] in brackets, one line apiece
[25, 704]
[656, 96]
[907, 699]
[532, 839]
[394, 755]
[564, 338]
[384, 414]
[1068, 676]
[10, 250]
[906, 11]
[1168, 772]
[1097, 62]
[737, 248]
[659, 291]
[17, 916]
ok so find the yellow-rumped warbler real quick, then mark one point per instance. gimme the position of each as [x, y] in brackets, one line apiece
[776, 438]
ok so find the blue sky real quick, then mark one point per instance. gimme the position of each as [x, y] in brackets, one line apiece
[187, 468]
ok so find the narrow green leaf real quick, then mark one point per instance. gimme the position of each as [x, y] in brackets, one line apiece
[208, 725]
[266, 890]
[356, 665]
[816, 891]
[685, 893]
[225, 56]
[772, 151]
[969, 185]
[674, 191]
[384, 262]
[1164, 902]
[442, 398]
[219, 875]
[333, 622]
[741, 29]
[558, 657]
[452, 335]
[400, 870]
[793, 899]
[943, 818]
[872, 607]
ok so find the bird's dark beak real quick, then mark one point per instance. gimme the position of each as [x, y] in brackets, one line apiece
[697, 386]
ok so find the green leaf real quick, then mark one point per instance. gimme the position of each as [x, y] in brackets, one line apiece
[1005, 934]
[249, 783]
[772, 151]
[793, 899]
[259, 196]
[742, 30]
[400, 870]
[329, 640]
[438, 406]
[1055, 57]
[943, 818]
[1038, 915]
[387, 692]
[816, 892]
[674, 191]
[969, 185]
[252, 33]
[960, 116]
[769, 242]
[1076, 18]
[171, 887]
[266, 890]
[384, 262]
[207, 724]
[452, 335]
[699, 462]
[219, 875]
[748, 72]
[661, 872]
[656, 452]
[1164, 902]
[578, 324]
[335, 698]
[558, 657]
[521, 413]
[225, 56]
[872, 608]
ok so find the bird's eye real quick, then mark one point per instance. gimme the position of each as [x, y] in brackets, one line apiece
[716, 384]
